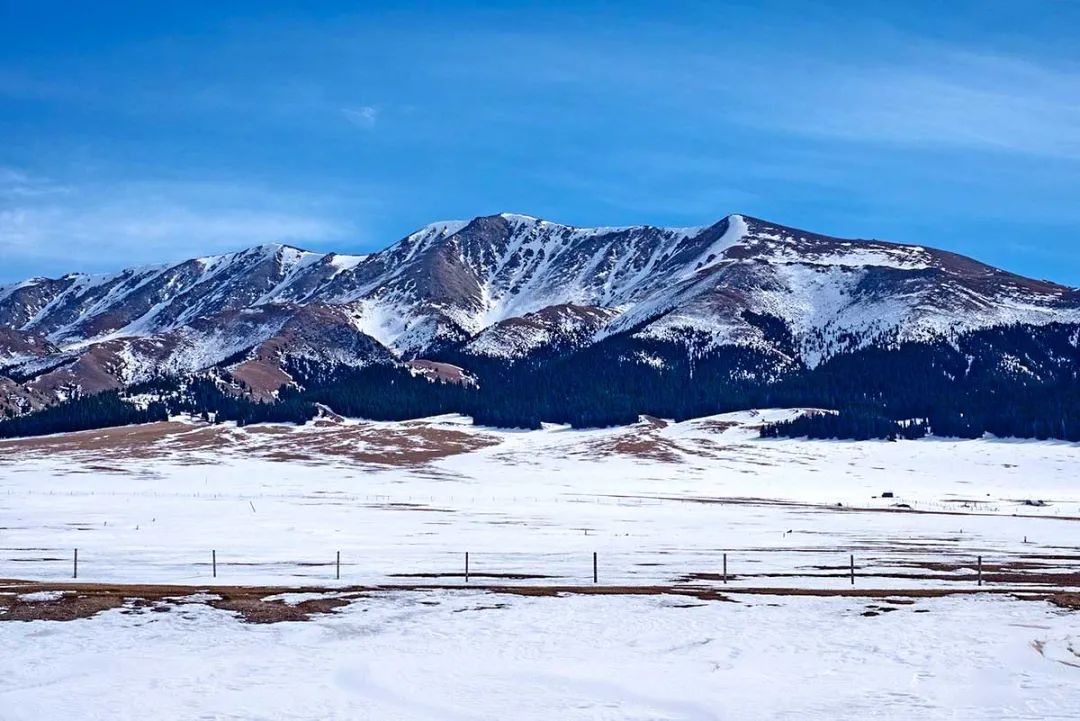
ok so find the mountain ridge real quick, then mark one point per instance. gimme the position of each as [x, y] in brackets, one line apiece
[501, 290]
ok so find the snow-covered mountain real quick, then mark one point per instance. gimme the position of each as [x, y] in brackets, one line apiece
[503, 288]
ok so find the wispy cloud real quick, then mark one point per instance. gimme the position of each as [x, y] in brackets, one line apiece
[943, 98]
[18, 185]
[364, 116]
[103, 228]
[902, 91]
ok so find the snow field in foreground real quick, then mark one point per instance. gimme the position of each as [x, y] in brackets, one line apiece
[470, 655]
[657, 502]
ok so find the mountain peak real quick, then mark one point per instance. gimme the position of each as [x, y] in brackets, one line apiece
[446, 228]
[513, 286]
[522, 218]
[276, 248]
[439, 227]
[453, 278]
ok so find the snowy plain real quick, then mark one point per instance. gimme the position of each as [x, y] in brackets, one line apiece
[660, 504]
[654, 501]
[460, 655]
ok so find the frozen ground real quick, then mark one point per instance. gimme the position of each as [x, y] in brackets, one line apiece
[660, 504]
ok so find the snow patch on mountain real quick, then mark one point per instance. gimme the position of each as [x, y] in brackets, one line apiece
[714, 254]
[556, 328]
[342, 263]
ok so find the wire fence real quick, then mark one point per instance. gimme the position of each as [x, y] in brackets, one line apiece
[788, 568]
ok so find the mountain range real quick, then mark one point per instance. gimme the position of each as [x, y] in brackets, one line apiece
[512, 297]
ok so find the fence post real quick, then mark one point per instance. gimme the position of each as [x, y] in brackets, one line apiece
[980, 570]
[466, 566]
[594, 572]
[725, 568]
[75, 565]
[213, 562]
[337, 567]
[853, 569]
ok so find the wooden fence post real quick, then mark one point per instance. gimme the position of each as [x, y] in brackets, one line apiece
[213, 562]
[594, 572]
[725, 568]
[466, 566]
[980, 570]
[337, 567]
[75, 565]
[853, 569]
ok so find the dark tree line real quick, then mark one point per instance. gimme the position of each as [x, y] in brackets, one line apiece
[83, 413]
[377, 392]
[386, 393]
[852, 425]
[1011, 381]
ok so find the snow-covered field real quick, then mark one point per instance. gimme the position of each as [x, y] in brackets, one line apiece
[460, 655]
[655, 501]
[659, 503]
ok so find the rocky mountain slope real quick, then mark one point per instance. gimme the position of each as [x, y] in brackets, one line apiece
[502, 290]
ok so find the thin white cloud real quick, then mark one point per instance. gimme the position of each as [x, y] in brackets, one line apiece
[947, 99]
[907, 91]
[16, 184]
[120, 225]
[364, 116]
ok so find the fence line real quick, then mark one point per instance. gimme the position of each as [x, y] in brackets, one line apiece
[1070, 578]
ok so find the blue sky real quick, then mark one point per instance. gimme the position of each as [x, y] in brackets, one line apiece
[138, 132]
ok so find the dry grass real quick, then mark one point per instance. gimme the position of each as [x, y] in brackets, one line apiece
[1057, 580]
[258, 610]
[1069, 601]
[717, 427]
[113, 443]
[641, 440]
[83, 600]
[69, 607]
[410, 444]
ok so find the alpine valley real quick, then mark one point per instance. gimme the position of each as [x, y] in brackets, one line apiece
[518, 321]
